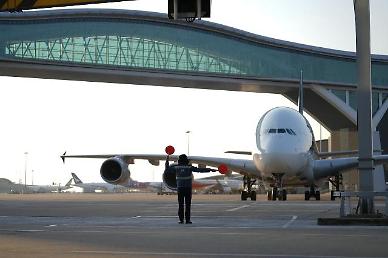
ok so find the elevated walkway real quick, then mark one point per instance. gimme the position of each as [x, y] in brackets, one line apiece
[146, 48]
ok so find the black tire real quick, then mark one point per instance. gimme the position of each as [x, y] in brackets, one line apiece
[317, 195]
[306, 195]
[274, 194]
[253, 195]
[284, 195]
[244, 196]
[332, 197]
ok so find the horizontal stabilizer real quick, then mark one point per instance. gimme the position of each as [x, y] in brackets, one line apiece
[63, 156]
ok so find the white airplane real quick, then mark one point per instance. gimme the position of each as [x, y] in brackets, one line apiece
[220, 184]
[76, 183]
[286, 154]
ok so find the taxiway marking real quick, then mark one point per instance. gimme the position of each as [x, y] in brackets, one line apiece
[192, 254]
[290, 221]
[238, 208]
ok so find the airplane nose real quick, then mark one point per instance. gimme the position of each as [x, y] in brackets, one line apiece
[281, 163]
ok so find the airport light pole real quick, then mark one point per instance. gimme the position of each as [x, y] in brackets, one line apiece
[25, 170]
[364, 105]
[188, 142]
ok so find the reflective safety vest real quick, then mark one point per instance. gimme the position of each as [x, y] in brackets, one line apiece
[184, 176]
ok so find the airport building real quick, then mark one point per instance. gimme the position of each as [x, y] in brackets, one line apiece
[135, 47]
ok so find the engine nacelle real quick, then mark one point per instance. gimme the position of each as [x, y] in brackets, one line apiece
[169, 178]
[115, 171]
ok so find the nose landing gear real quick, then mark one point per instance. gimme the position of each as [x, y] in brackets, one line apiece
[247, 192]
[312, 193]
[277, 192]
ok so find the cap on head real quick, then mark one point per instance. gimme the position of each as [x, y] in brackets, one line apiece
[183, 160]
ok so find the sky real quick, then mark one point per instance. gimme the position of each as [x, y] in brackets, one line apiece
[47, 117]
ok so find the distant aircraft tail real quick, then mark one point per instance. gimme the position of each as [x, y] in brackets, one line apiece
[76, 179]
[300, 97]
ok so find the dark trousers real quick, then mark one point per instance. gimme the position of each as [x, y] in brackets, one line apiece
[184, 199]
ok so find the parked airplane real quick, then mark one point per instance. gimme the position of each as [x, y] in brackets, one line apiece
[49, 188]
[6, 186]
[217, 184]
[77, 184]
[130, 184]
[286, 154]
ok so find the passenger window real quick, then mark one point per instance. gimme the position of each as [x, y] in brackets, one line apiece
[272, 131]
[281, 130]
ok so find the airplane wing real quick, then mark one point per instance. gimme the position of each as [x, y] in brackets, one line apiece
[337, 153]
[341, 153]
[329, 167]
[242, 166]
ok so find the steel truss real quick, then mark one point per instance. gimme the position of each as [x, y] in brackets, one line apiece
[123, 51]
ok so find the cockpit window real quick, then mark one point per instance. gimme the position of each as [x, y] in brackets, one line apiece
[280, 130]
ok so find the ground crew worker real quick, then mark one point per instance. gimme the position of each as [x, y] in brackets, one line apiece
[184, 178]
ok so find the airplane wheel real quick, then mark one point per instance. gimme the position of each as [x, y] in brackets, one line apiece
[284, 195]
[332, 197]
[306, 195]
[253, 195]
[317, 195]
[244, 195]
[274, 194]
[269, 195]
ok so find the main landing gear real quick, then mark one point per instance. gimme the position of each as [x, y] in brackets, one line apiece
[277, 192]
[247, 192]
[336, 182]
[312, 193]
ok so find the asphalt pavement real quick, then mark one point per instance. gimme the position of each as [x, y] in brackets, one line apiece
[145, 225]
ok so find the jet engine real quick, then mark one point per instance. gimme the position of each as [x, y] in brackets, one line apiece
[169, 178]
[115, 171]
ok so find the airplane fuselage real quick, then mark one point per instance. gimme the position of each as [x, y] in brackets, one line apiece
[285, 144]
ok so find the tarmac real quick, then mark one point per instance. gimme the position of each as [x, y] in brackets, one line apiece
[145, 225]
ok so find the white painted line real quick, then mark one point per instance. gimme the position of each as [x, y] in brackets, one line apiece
[49, 226]
[289, 222]
[29, 230]
[169, 254]
[238, 208]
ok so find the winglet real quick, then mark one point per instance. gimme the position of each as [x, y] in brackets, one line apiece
[63, 157]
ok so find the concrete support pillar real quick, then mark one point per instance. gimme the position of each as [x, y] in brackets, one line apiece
[364, 103]
[175, 9]
[345, 139]
[378, 173]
